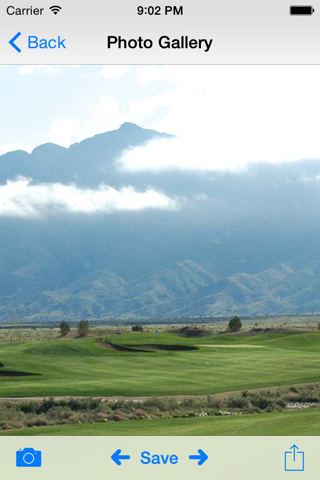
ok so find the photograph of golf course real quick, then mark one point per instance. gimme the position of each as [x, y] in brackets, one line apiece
[159, 250]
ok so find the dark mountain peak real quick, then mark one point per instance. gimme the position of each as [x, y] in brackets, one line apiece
[14, 153]
[88, 162]
[50, 148]
[128, 134]
[128, 126]
[125, 133]
[104, 148]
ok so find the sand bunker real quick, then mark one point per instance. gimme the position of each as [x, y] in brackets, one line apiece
[149, 348]
[123, 348]
[168, 348]
[233, 346]
[7, 373]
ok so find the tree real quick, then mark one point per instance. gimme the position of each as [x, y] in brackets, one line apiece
[64, 328]
[83, 328]
[137, 328]
[235, 324]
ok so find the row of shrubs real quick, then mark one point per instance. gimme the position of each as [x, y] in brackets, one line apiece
[71, 411]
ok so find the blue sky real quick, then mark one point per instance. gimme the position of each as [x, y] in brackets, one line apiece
[225, 116]
[32, 98]
[223, 119]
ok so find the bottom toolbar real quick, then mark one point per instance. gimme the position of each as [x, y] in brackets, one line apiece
[226, 457]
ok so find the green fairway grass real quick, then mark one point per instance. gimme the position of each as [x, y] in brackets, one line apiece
[306, 422]
[81, 367]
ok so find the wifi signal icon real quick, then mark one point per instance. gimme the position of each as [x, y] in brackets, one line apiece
[55, 9]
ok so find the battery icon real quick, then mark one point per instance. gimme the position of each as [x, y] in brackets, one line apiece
[301, 10]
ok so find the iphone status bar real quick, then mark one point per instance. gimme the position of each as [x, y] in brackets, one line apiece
[233, 32]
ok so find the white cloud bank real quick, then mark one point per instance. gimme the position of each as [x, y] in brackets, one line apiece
[229, 117]
[19, 198]
[205, 154]
[226, 117]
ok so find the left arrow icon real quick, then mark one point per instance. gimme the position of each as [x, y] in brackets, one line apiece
[116, 457]
[13, 44]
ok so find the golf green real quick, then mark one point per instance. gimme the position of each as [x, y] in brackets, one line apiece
[83, 367]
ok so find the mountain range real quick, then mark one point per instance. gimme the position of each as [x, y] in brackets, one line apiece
[245, 243]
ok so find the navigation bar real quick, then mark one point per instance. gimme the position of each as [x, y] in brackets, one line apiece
[124, 32]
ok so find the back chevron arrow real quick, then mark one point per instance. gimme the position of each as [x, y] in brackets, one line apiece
[13, 44]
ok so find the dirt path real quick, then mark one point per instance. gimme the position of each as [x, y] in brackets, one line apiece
[114, 398]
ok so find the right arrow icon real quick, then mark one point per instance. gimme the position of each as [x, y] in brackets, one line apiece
[202, 457]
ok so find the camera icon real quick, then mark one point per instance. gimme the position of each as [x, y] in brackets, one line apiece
[28, 458]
